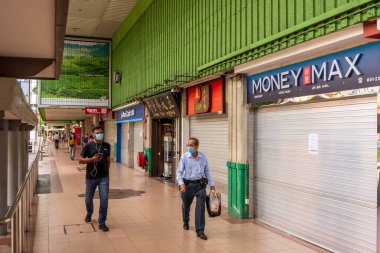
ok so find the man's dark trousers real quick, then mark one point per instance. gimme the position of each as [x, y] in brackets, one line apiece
[194, 190]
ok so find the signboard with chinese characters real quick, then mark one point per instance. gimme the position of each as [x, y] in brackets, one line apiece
[96, 110]
[130, 114]
[206, 98]
[346, 70]
[162, 106]
[202, 99]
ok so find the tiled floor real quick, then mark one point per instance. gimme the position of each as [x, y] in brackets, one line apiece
[146, 222]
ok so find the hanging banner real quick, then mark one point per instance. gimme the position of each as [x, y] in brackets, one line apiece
[346, 70]
[84, 78]
[162, 106]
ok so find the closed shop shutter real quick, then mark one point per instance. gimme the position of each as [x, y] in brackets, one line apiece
[137, 140]
[212, 133]
[327, 197]
[124, 143]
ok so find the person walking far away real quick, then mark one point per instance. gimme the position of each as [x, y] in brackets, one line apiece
[85, 139]
[96, 154]
[56, 140]
[193, 174]
[71, 142]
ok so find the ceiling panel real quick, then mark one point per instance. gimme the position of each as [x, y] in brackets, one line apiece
[83, 27]
[27, 29]
[97, 18]
[117, 10]
[107, 28]
[87, 8]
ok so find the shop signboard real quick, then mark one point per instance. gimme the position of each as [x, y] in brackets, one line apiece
[131, 114]
[162, 106]
[95, 110]
[206, 98]
[346, 70]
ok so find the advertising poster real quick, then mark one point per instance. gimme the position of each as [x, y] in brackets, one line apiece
[84, 79]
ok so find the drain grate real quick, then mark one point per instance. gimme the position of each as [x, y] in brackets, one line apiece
[79, 228]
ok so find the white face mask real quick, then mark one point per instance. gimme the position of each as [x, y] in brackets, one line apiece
[99, 136]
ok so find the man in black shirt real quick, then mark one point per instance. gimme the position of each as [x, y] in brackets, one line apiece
[96, 154]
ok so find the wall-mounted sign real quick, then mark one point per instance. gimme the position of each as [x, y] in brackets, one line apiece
[96, 110]
[313, 144]
[202, 99]
[206, 98]
[162, 106]
[130, 114]
[350, 69]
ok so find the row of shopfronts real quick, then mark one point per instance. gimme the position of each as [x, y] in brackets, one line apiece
[158, 128]
[294, 146]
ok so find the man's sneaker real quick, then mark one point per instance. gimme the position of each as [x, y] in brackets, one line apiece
[103, 227]
[185, 226]
[88, 218]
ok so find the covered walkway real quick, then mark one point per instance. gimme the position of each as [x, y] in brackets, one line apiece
[144, 216]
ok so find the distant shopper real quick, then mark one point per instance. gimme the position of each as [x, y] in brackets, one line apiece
[96, 154]
[71, 142]
[193, 174]
[56, 140]
[64, 138]
[85, 139]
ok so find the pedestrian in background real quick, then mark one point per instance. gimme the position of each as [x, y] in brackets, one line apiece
[72, 143]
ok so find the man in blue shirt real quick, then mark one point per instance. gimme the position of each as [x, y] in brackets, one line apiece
[192, 170]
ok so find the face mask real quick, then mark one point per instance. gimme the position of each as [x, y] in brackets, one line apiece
[99, 136]
[191, 150]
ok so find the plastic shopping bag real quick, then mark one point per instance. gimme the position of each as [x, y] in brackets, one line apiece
[213, 204]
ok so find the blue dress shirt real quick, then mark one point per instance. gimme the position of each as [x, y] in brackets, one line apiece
[192, 168]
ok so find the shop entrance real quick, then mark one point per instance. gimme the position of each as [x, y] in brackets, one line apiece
[163, 134]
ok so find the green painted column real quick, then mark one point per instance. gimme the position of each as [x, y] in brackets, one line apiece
[238, 189]
[148, 154]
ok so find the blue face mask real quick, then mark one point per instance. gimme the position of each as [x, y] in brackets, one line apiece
[99, 136]
[191, 150]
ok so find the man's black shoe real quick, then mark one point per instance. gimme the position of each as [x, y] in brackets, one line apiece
[185, 226]
[202, 236]
[88, 218]
[103, 227]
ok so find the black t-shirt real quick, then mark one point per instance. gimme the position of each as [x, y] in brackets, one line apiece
[99, 169]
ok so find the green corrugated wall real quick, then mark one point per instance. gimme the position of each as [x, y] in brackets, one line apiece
[201, 37]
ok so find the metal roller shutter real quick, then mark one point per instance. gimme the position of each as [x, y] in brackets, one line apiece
[213, 138]
[327, 198]
[137, 141]
[124, 143]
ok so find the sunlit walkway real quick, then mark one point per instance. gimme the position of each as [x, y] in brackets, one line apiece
[144, 216]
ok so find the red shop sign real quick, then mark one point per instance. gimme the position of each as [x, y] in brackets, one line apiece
[206, 98]
[96, 110]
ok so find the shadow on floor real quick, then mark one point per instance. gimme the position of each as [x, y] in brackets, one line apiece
[119, 194]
